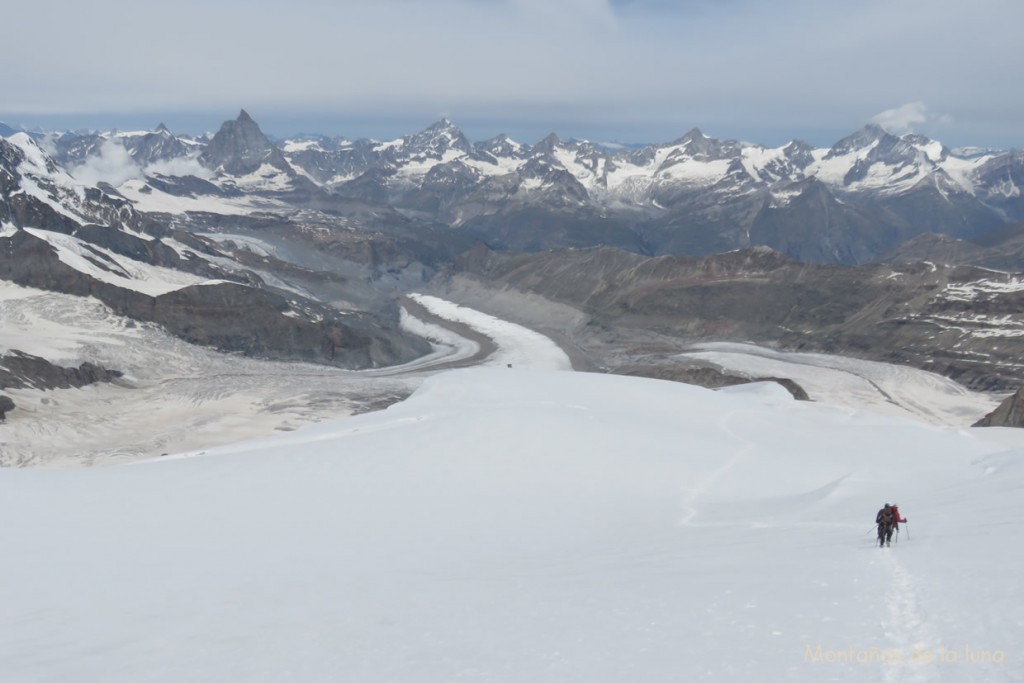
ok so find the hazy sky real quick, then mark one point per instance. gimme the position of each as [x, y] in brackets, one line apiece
[626, 70]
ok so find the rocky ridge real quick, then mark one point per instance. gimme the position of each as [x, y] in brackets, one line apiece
[1010, 413]
[697, 195]
[754, 243]
[962, 322]
[58, 235]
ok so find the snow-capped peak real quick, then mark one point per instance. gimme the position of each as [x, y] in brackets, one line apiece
[437, 139]
[866, 137]
[503, 146]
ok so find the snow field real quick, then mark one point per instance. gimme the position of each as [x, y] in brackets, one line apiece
[500, 525]
[518, 346]
[880, 387]
[510, 525]
[178, 397]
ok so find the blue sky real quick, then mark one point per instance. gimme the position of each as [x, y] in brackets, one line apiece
[625, 70]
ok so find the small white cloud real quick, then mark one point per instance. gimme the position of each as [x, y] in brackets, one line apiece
[112, 165]
[48, 143]
[908, 117]
[181, 166]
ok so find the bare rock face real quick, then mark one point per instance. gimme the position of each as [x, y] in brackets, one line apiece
[20, 370]
[234, 312]
[6, 405]
[1010, 413]
[229, 316]
[708, 377]
[256, 322]
[960, 322]
[240, 147]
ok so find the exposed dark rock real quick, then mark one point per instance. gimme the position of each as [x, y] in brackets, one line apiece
[24, 371]
[257, 322]
[999, 180]
[229, 316]
[816, 227]
[789, 385]
[936, 248]
[240, 148]
[706, 376]
[896, 188]
[956, 321]
[190, 186]
[6, 405]
[534, 228]
[160, 145]
[1009, 413]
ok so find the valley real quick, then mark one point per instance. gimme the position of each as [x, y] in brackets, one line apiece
[235, 285]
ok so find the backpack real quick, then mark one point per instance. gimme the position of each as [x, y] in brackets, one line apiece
[886, 517]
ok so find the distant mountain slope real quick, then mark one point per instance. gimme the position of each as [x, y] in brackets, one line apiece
[697, 195]
[240, 148]
[965, 323]
[311, 227]
[57, 235]
[999, 249]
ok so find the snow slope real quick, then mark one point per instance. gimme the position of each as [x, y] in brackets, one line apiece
[529, 525]
[881, 387]
[116, 269]
[176, 396]
[517, 346]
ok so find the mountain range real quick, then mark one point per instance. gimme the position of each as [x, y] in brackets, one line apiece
[888, 247]
[499, 524]
[697, 195]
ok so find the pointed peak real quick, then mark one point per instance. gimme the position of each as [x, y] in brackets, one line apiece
[502, 145]
[499, 139]
[874, 131]
[916, 138]
[243, 116]
[548, 144]
[443, 124]
[693, 135]
[436, 140]
[162, 128]
[867, 136]
[799, 151]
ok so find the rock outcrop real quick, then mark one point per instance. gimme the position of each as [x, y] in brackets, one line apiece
[960, 322]
[20, 370]
[60, 237]
[240, 148]
[6, 405]
[707, 376]
[1010, 413]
